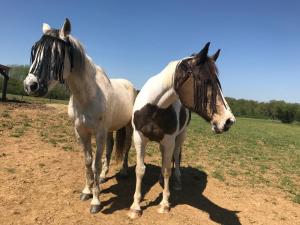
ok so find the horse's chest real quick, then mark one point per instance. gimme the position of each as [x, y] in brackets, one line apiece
[89, 119]
[155, 122]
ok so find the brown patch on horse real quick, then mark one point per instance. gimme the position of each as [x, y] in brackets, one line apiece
[155, 122]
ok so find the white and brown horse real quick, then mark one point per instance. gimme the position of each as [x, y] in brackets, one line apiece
[94, 104]
[159, 115]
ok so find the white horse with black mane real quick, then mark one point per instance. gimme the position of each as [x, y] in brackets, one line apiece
[98, 105]
[159, 114]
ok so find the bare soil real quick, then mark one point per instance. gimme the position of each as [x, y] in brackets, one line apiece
[41, 184]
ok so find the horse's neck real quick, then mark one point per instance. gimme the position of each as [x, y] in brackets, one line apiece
[83, 85]
[163, 93]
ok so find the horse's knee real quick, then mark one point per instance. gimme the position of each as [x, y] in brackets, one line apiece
[140, 170]
[88, 161]
[166, 172]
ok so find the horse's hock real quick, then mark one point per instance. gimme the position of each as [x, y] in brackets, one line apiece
[4, 71]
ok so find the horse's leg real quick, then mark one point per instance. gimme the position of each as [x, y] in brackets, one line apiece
[177, 157]
[97, 167]
[128, 140]
[166, 170]
[161, 177]
[106, 160]
[85, 140]
[140, 144]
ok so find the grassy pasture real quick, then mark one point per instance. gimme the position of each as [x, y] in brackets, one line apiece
[254, 152]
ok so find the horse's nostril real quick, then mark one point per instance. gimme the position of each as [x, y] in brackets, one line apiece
[228, 124]
[33, 87]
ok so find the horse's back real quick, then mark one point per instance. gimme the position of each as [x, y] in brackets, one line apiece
[123, 89]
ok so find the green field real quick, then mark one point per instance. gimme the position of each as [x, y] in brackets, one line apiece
[254, 152]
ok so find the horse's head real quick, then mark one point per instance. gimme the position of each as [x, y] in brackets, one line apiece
[51, 60]
[199, 89]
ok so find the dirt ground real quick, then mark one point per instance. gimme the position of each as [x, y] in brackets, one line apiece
[41, 184]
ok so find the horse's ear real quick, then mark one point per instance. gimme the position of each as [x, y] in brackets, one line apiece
[216, 55]
[66, 28]
[46, 28]
[202, 55]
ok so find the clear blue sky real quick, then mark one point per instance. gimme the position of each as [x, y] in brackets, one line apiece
[260, 40]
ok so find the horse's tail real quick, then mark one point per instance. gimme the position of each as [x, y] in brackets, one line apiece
[120, 143]
[124, 137]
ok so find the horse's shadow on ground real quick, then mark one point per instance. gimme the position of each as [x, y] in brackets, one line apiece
[193, 182]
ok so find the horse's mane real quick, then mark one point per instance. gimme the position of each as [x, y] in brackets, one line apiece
[78, 54]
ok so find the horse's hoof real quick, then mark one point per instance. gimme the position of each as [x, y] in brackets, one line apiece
[85, 197]
[133, 214]
[95, 209]
[163, 209]
[102, 180]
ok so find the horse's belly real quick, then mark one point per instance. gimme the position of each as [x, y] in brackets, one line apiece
[120, 120]
[122, 104]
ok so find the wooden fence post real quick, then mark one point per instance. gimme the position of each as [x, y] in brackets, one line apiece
[4, 70]
[4, 89]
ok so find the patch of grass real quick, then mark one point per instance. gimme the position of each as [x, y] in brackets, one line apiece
[52, 141]
[10, 170]
[296, 199]
[288, 185]
[18, 131]
[232, 172]
[14, 123]
[6, 124]
[68, 148]
[5, 114]
[218, 175]
[58, 130]
[263, 168]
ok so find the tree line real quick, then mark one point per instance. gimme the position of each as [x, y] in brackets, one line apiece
[275, 110]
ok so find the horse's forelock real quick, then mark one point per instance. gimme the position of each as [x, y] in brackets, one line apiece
[48, 55]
